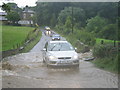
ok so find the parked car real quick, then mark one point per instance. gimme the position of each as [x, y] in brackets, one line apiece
[60, 53]
[56, 37]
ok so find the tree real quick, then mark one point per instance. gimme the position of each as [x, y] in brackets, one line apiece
[14, 7]
[95, 24]
[6, 7]
[68, 24]
[53, 20]
[109, 32]
[78, 15]
[109, 11]
[13, 17]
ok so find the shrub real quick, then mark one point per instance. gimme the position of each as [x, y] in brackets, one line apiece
[106, 63]
[107, 50]
[85, 37]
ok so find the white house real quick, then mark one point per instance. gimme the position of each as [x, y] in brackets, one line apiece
[27, 15]
[3, 19]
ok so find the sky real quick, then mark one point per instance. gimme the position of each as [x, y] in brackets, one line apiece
[23, 3]
[78, 0]
[20, 3]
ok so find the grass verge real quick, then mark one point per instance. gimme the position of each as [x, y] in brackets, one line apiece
[109, 64]
[105, 41]
[32, 44]
[106, 57]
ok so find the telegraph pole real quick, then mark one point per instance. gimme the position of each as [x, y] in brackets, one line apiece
[72, 19]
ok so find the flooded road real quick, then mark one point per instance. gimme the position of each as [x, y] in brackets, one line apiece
[27, 70]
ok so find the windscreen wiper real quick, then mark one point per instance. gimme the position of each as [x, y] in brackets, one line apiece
[53, 47]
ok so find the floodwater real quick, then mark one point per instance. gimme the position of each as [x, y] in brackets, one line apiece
[26, 70]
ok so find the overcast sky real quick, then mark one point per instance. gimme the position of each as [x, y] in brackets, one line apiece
[23, 3]
[20, 3]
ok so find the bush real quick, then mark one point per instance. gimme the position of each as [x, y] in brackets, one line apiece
[109, 32]
[107, 50]
[107, 57]
[85, 37]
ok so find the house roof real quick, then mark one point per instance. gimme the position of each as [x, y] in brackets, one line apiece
[28, 11]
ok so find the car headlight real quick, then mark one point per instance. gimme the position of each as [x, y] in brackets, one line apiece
[75, 57]
[52, 57]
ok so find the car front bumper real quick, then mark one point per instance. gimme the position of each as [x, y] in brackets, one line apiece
[63, 63]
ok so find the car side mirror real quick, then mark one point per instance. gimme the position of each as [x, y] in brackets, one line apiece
[44, 49]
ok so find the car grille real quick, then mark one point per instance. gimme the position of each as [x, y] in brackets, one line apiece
[64, 58]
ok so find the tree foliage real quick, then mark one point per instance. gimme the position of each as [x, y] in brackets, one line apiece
[95, 24]
[13, 17]
[6, 7]
[78, 15]
[109, 32]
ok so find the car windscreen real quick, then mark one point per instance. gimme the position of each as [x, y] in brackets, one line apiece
[59, 47]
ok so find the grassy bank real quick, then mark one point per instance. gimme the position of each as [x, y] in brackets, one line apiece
[106, 57]
[109, 64]
[33, 43]
[105, 41]
[14, 35]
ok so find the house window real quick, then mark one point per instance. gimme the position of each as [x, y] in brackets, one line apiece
[24, 16]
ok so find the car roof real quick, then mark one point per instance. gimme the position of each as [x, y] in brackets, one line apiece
[58, 42]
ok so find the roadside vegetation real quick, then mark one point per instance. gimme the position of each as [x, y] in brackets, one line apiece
[87, 26]
[106, 57]
[105, 41]
[14, 37]
[33, 43]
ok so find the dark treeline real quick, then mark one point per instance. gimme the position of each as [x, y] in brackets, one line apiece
[108, 10]
[99, 18]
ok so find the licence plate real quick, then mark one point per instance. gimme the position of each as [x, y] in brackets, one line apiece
[65, 62]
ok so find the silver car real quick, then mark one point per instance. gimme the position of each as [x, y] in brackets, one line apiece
[56, 37]
[60, 53]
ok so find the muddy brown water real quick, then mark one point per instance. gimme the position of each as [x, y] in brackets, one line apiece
[28, 71]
